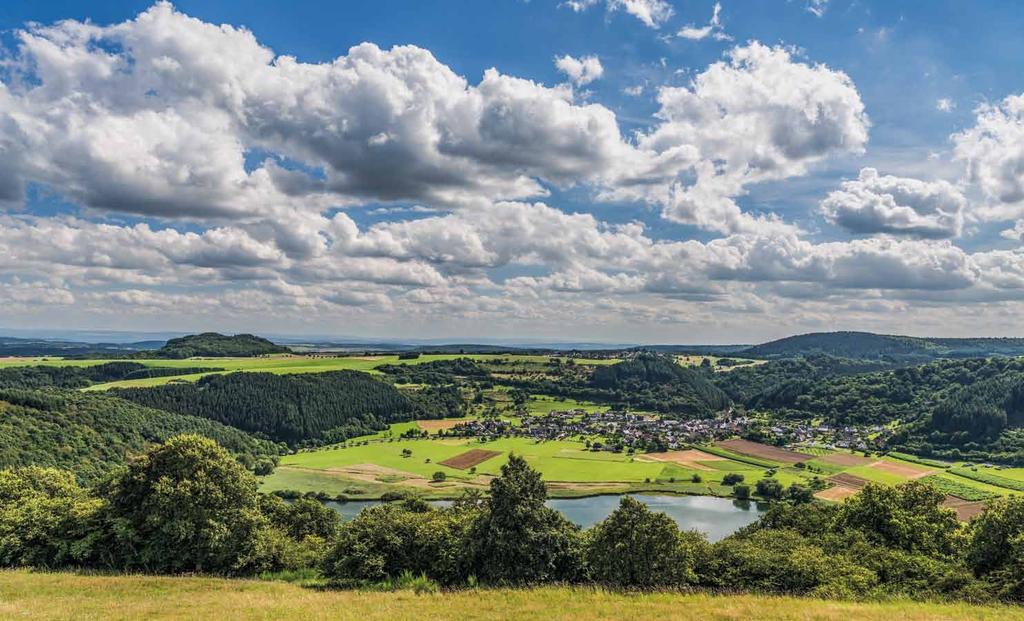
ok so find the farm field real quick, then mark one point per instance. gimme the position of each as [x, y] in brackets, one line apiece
[380, 464]
[372, 465]
[281, 364]
[67, 596]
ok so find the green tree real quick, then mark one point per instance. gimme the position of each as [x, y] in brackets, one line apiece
[742, 491]
[995, 547]
[385, 541]
[518, 540]
[46, 519]
[732, 478]
[635, 547]
[769, 488]
[186, 505]
[908, 516]
[799, 494]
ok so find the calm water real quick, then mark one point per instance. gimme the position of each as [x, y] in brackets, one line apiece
[715, 517]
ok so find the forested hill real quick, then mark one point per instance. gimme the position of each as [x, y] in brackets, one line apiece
[965, 408]
[91, 434]
[307, 408]
[865, 345]
[653, 381]
[212, 344]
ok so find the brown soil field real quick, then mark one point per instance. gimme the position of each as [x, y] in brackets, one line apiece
[437, 425]
[848, 480]
[689, 458]
[756, 449]
[910, 471]
[846, 459]
[965, 509]
[470, 458]
[836, 493]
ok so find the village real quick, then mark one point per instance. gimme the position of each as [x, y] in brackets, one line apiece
[630, 432]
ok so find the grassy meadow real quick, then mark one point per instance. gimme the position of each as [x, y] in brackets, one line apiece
[51, 596]
[281, 364]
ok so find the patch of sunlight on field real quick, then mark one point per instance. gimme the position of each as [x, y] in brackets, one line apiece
[51, 596]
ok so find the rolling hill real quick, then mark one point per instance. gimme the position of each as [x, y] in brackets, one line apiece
[867, 345]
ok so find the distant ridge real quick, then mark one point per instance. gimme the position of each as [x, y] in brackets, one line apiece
[867, 345]
[213, 344]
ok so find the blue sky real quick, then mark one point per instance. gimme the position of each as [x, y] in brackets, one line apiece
[790, 166]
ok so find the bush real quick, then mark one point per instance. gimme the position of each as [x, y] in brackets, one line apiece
[732, 478]
[184, 506]
[517, 540]
[770, 489]
[46, 519]
[783, 561]
[635, 547]
[386, 540]
[438, 477]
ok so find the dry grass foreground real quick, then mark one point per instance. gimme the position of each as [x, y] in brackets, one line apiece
[32, 596]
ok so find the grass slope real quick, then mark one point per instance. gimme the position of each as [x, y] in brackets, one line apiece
[279, 364]
[42, 596]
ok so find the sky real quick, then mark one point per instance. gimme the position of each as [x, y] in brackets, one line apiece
[648, 171]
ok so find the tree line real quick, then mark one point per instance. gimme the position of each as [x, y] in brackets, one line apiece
[300, 409]
[189, 507]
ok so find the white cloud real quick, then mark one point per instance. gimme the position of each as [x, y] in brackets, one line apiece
[817, 7]
[580, 71]
[1015, 233]
[789, 114]
[993, 152]
[875, 203]
[713, 28]
[945, 104]
[161, 116]
[653, 13]
[634, 91]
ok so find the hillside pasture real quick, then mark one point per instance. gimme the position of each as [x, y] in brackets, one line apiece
[40, 596]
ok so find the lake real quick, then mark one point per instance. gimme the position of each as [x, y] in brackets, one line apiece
[715, 517]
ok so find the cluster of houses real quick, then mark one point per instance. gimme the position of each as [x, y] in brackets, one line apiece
[620, 430]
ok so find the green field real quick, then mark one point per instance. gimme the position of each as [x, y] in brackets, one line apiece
[372, 465]
[571, 469]
[281, 364]
[65, 596]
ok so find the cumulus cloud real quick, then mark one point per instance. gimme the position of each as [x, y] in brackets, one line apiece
[789, 114]
[157, 116]
[243, 165]
[580, 71]
[993, 152]
[712, 29]
[945, 104]
[875, 203]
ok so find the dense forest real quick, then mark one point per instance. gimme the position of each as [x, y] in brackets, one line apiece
[91, 434]
[300, 409]
[865, 345]
[212, 344]
[80, 377]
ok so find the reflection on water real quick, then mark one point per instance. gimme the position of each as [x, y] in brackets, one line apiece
[715, 517]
